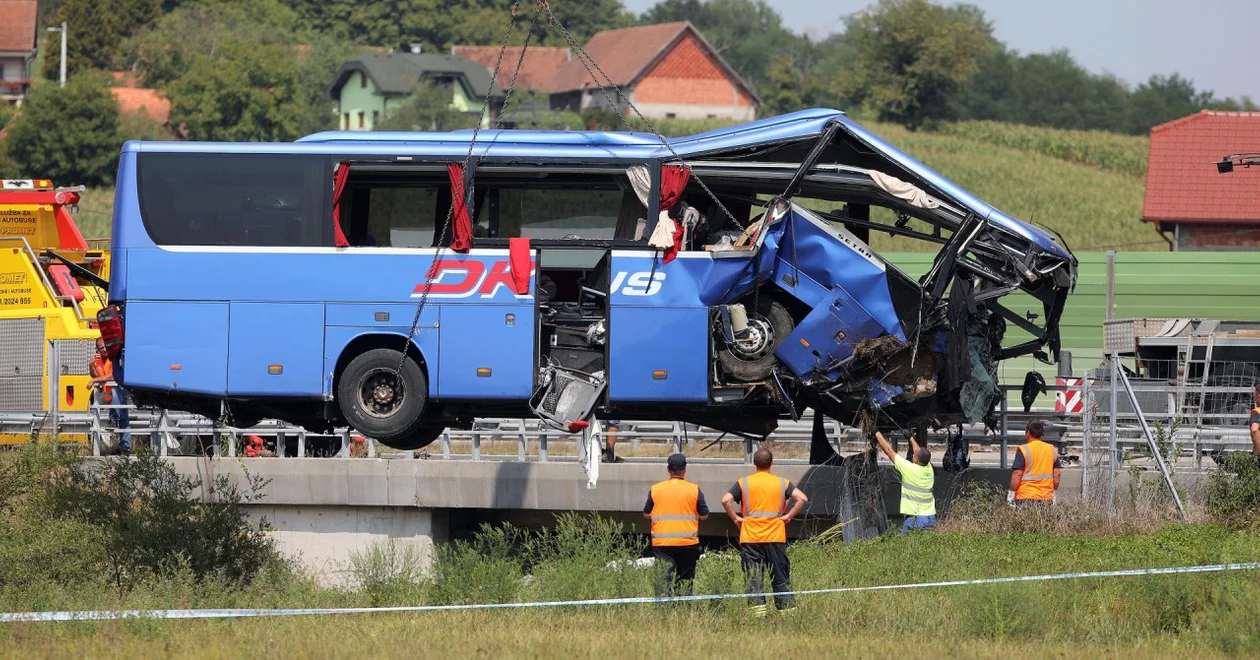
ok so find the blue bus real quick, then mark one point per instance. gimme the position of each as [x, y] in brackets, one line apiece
[405, 283]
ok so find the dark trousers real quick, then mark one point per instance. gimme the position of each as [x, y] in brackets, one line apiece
[757, 558]
[680, 568]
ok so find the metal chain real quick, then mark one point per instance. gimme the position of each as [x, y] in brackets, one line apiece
[520, 61]
[583, 57]
[450, 212]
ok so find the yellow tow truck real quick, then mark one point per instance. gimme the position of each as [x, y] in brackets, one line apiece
[52, 283]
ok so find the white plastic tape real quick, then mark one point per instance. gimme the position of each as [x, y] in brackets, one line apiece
[106, 615]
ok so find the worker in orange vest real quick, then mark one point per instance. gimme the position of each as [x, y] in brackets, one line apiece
[1035, 470]
[762, 520]
[102, 371]
[676, 507]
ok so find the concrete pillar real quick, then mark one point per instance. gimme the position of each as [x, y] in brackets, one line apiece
[324, 538]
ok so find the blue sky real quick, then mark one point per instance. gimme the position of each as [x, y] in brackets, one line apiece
[1215, 43]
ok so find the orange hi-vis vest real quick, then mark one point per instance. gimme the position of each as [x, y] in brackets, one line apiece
[675, 518]
[102, 367]
[763, 498]
[1038, 480]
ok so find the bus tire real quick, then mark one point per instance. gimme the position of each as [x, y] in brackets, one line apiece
[380, 400]
[423, 437]
[770, 323]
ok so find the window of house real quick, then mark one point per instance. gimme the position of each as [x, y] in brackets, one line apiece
[346, 121]
[360, 120]
[362, 79]
[671, 115]
[376, 118]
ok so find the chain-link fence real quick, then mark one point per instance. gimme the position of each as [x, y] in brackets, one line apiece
[1192, 419]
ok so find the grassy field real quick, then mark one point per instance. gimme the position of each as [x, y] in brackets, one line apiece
[1087, 185]
[1208, 615]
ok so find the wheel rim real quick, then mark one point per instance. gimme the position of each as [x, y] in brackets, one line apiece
[760, 341]
[381, 393]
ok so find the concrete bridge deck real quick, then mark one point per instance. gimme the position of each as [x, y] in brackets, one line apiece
[325, 509]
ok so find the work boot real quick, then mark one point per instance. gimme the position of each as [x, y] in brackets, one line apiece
[786, 611]
[758, 611]
[610, 458]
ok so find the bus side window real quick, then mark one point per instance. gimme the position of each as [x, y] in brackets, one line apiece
[562, 205]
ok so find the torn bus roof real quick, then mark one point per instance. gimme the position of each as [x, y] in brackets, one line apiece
[874, 153]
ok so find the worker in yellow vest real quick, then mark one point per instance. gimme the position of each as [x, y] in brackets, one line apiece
[1035, 470]
[676, 507]
[918, 504]
[762, 520]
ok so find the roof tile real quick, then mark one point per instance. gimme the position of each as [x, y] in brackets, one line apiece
[538, 69]
[622, 54]
[1182, 184]
[17, 25]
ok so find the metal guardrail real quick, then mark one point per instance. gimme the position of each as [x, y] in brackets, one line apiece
[525, 439]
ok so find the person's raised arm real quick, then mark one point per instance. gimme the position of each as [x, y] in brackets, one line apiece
[914, 445]
[885, 447]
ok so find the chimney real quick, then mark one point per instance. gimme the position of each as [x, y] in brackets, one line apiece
[415, 49]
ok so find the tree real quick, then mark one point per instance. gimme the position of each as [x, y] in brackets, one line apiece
[427, 109]
[1162, 99]
[163, 52]
[912, 57]
[69, 135]
[245, 92]
[439, 24]
[97, 31]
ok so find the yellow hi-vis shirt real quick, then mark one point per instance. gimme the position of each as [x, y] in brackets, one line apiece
[916, 488]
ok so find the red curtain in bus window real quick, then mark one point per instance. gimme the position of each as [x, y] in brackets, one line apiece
[340, 175]
[674, 180]
[518, 257]
[461, 227]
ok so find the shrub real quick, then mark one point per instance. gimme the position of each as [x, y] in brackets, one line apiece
[1233, 492]
[388, 573]
[152, 527]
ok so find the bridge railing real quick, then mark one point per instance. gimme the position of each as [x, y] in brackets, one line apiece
[1085, 418]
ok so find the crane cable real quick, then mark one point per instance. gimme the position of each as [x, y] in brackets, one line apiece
[431, 275]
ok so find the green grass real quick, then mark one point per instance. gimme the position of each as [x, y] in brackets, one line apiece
[1094, 209]
[1209, 614]
[1113, 152]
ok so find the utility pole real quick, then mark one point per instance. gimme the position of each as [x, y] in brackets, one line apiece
[63, 32]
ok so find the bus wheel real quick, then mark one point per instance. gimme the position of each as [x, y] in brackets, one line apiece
[753, 360]
[380, 400]
[423, 437]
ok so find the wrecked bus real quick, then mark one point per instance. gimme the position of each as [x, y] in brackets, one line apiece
[333, 281]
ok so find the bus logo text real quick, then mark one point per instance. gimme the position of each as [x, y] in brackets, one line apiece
[473, 279]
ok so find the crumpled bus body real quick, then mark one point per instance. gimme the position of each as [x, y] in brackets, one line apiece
[259, 280]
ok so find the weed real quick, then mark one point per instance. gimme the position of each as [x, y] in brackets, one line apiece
[388, 573]
[1232, 493]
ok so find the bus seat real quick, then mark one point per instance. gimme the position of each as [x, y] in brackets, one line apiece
[64, 282]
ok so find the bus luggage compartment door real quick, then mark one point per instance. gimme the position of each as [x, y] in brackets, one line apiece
[176, 346]
[276, 348]
[486, 351]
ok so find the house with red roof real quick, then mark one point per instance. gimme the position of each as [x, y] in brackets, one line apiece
[17, 48]
[667, 70]
[1187, 199]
